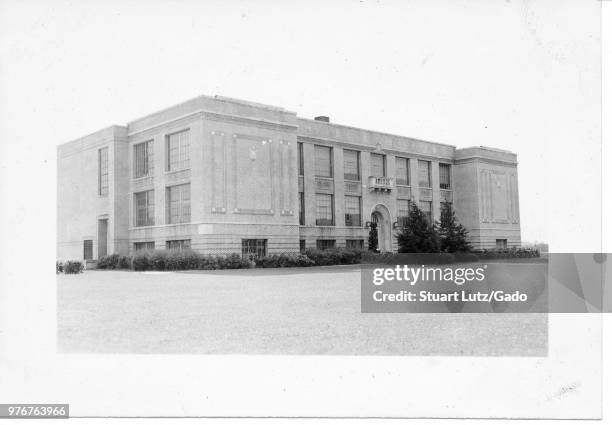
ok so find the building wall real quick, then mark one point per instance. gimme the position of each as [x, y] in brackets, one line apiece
[312, 132]
[487, 196]
[243, 176]
[244, 181]
[79, 206]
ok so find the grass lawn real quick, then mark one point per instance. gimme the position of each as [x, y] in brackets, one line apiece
[269, 311]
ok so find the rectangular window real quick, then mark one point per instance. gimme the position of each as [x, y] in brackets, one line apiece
[178, 204]
[425, 206]
[351, 165]
[88, 249]
[352, 210]
[144, 246]
[177, 151]
[325, 209]
[254, 248]
[143, 159]
[323, 244]
[403, 211]
[300, 147]
[302, 209]
[103, 172]
[354, 243]
[302, 245]
[402, 171]
[424, 174]
[323, 161]
[144, 209]
[445, 176]
[178, 245]
[378, 166]
[501, 243]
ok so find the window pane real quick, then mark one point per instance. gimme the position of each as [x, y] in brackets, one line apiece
[144, 246]
[178, 151]
[323, 161]
[144, 209]
[88, 249]
[254, 248]
[351, 165]
[403, 210]
[301, 158]
[326, 244]
[425, 206]
[178, 204]
[178, 245]
[424, 174]
[325, 209]
[302, 208]
[103, 172]
[445, 178]
[377, 165]
[402, 171]
[354, 243]
[143, 159]
[352, 210]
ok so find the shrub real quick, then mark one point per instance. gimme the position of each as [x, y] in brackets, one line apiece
[73, 267]
[125, 262]
[158, 259]
[114, 261]
[234, 261]
[283, 260]
[208, 262]
[320, 257]
[418, 235]
[301, 260]
[141, 261]
[182, 260]
[453, 236]
[59, 267]
[507, 253]
[329, 257]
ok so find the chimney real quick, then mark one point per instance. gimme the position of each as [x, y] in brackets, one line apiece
[322, 118]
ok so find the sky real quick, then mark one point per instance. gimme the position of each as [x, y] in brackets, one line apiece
[517, 75]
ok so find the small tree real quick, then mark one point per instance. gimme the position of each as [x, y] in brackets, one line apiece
[453, 236]
[418, 234]
[373, 236]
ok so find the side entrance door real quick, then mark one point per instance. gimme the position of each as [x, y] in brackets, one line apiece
[102, 237]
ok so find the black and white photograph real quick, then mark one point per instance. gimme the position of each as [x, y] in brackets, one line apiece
[333, 211]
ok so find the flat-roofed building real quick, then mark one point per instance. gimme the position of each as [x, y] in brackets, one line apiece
[221, 175]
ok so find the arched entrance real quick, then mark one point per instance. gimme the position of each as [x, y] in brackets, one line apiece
[382, 218]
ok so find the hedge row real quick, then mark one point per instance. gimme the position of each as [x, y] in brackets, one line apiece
[186, 260]
[69, 267]
[418, 258]
[191, 260]
[447, 258]
[507, 253]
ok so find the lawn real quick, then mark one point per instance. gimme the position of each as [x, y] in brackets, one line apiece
[269, 311]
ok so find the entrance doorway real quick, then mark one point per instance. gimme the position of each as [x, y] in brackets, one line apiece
[382, 218]
[102, 237]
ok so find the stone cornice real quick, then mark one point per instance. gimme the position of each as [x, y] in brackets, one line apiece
[355, 146]
[216, 116]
